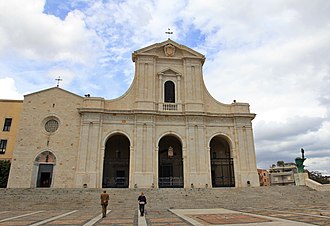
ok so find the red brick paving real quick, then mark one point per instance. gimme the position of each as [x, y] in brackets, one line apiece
[228, 218]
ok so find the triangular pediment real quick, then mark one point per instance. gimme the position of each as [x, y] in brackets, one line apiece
[169, 71]
[168, 49]
[51, 90]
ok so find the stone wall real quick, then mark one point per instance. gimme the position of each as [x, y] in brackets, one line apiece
[33, 139]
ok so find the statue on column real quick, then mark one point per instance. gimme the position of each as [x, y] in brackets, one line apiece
[300, 162]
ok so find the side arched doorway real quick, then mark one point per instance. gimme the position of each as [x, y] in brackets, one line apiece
[170, 163]
[222, 166]
[116, 162]
[45, 163]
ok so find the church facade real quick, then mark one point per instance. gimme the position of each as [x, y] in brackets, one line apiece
[166, 131]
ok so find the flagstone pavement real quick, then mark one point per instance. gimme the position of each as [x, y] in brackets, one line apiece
[167, 207]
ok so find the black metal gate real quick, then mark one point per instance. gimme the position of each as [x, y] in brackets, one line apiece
[115, 173]
[222, 172]
[168, 178]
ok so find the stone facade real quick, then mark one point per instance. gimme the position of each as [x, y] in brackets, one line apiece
[165, 131]
[33, 139]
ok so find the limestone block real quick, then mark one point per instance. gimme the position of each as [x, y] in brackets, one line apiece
[300, 178]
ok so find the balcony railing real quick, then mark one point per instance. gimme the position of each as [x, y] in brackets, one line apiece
[170, 107]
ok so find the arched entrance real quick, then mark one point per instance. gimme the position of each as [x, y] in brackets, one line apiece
[222, 167]
[45, 162]
[116, 162]
[170, 167]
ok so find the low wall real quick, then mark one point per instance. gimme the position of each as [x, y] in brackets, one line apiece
[317, 186]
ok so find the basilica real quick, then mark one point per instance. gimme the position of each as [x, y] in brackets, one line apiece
[166, 131]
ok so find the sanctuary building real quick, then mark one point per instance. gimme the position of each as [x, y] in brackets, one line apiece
[166, 131]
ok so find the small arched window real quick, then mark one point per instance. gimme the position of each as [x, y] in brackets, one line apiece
[169, 89]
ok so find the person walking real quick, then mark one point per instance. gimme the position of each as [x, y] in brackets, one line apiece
[142, 201]
[104, 202]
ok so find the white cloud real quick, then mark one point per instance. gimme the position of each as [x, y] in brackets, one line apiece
[35, 35]
[8, 89]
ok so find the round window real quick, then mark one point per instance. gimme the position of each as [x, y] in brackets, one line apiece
[51, 125]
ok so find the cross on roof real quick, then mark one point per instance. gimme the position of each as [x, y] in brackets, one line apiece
[58, 81]
[169, 32]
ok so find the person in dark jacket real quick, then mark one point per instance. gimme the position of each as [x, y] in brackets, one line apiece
[104, 202]
[142, 201]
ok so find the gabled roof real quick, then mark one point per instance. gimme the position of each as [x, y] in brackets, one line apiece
[158, 49]
[50, 89]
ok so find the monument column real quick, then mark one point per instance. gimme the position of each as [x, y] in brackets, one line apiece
[301, 176]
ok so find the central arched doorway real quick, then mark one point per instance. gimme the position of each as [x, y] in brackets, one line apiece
[170, 167]
[222, 167]
[116, 162]
[45, 163]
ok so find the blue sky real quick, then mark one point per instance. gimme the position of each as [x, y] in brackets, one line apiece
[272, 54]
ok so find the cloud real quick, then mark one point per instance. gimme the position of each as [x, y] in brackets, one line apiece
[36, 47]
[297, 126]
[35, 35]
[8, 89]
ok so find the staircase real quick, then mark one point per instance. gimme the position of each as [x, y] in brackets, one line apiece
[166, 198]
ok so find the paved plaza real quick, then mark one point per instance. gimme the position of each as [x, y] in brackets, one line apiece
[171, 207]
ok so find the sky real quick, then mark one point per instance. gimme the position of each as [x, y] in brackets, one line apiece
[274, 55]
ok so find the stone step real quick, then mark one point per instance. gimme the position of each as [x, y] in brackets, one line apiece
[297, 203]
[165, 198]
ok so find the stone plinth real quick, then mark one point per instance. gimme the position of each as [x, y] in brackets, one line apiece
[300, 179]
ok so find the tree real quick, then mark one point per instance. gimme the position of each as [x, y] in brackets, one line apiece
[4, 172]
[280, 163]
[317, 176]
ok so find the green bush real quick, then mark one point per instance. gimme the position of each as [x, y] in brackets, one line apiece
[4, 172]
